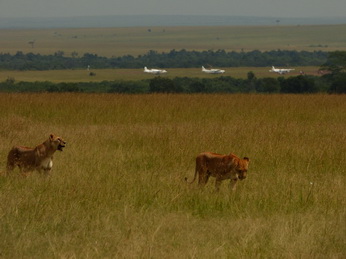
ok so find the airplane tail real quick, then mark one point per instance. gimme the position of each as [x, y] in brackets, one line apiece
[203, 68]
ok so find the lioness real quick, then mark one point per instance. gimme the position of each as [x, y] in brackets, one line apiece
[38, 158]
[221, 167]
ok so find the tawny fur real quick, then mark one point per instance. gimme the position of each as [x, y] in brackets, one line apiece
[39, 158]
[221, 167]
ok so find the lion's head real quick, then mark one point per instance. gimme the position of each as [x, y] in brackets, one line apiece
[242, 167]
[57, 142]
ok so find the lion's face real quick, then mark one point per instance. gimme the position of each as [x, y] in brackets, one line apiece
[242, 174]
[242, 168]
[57, 142]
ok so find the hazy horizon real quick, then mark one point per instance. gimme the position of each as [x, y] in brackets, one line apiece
[158, 20]
[260, 8]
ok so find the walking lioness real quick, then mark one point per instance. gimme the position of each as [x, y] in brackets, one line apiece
[39, 158]
[221, 167]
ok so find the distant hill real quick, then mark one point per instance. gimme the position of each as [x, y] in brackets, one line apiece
[158, 20]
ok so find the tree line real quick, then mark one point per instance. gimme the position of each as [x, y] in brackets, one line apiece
[333, 81]
[172, 59]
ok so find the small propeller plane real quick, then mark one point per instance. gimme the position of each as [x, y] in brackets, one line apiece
[281, 71]
[212, 71]
[154, 71]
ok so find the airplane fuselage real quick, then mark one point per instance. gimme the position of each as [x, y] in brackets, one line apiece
[281, 71]
[213, 71]
[154, 71]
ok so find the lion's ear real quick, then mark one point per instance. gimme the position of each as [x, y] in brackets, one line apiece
[246, 158]
[51, 136]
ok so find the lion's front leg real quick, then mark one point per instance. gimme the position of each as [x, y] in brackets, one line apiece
[217, 184]
[47, 172]
[46, 166]
[10, 166]
[44, 171]
[9, 169]
[24, 172]
[233, 184]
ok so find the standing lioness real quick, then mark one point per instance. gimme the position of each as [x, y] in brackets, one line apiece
[38, 158]
[221, 167]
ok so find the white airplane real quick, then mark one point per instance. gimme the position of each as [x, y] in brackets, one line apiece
[213, 71]
[281, 71]
[154, 71]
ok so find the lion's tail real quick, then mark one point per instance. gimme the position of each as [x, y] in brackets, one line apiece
[194, 177]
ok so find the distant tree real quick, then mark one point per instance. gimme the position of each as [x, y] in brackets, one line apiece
[172, 59]
[32, 43]
[336, 62]
[336, 65]
[251, 81]
[59, 53]
[74, 54]
[251, 76]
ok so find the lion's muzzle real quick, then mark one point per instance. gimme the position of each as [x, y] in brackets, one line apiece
[61, 145]
[241, 176]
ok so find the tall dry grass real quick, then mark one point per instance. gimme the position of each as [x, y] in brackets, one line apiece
[118, 188]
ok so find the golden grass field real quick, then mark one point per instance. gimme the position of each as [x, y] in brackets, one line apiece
[58, 76]
[138, 41]
[118, 189]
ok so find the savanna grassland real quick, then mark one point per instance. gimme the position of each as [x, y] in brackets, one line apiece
[118, 189]
[136, 41]
[82, 75]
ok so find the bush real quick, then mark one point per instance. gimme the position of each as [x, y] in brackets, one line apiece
[268, 85]
[163, 85]
[299, 84]
[338, 85]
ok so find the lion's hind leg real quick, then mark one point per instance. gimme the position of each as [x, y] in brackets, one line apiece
[203, 177]
[12, 159]
[218, 182]
[9, 167]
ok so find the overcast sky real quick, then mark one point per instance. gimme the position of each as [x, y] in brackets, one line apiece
[264, 8]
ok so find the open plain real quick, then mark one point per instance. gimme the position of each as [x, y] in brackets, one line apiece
[118, 190]
[135, 41]
[83, 75]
